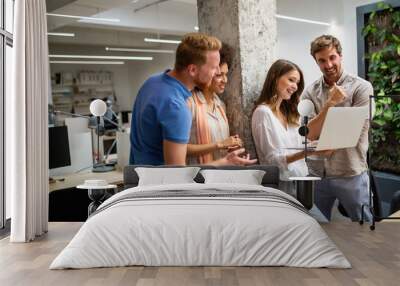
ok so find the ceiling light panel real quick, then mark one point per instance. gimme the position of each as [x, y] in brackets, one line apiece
[151, 40]
[102, 57]
[61, 34]
[84, 18]
[89, 62]
[140, 50]
[302, 20]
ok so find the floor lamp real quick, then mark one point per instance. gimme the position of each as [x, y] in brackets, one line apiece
[371, 204]
[98, 108]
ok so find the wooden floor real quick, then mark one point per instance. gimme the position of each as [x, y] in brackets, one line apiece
[374, 255]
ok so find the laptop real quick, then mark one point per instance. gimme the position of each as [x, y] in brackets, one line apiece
[342, 128]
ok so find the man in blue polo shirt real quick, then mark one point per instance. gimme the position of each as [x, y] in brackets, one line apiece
[161, 120]
[160, 113]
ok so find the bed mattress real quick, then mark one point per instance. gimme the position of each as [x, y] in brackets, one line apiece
[201, 225]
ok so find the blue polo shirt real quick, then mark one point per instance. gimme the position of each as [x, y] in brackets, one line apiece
[160, 112]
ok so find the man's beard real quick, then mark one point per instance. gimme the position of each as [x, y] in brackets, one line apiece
[334, 76]
[201, 85]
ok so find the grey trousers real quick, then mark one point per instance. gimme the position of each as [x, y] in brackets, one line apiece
[352, 193]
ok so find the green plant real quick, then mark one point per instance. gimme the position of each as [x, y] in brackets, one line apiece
[382, 34]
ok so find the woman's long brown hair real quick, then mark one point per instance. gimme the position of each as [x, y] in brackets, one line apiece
[269, 92]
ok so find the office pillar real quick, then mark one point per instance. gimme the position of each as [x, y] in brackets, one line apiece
[249, 27]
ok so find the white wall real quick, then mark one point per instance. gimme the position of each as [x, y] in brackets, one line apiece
[294, 38]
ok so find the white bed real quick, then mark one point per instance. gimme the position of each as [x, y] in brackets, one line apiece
[243, 227]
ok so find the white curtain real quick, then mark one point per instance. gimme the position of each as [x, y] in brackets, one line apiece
[27, 123]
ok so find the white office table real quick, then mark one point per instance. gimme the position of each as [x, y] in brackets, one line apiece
[72, 180]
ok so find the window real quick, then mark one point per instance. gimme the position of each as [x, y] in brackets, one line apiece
[8, 72]
[2, 171]
[6, 65]
[9, 15]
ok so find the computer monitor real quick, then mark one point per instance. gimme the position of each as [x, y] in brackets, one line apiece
[59, 155]
[125, 116]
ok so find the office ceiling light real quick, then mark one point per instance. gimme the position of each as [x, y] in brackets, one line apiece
[149, 5]
[61, 34]
[83, 18]
[89, 62]
[302, 20]
[140, 50]
[151, 40]
[102, 57]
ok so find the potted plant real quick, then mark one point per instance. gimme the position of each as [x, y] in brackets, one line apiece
[382, 35]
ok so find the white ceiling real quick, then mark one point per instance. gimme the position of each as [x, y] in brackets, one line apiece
[166, 19]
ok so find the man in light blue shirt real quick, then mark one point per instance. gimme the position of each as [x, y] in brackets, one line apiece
[161, 120]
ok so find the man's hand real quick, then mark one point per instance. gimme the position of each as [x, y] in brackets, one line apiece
[336, 95]
[237, 158]
[323, 153]
[230, 142]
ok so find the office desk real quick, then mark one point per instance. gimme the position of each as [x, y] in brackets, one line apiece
[73, 180]
[396, 214]
[67, 203]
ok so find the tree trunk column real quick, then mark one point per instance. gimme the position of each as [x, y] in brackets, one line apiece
[249, 27]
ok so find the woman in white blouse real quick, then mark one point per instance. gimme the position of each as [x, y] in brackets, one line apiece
[275, 122]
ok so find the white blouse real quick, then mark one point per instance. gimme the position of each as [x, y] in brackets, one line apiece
[271, 138]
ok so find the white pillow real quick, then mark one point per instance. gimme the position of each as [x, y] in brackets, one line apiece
[249, 177]
[166, 176]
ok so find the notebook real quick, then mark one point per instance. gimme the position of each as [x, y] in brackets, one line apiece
[342, 128]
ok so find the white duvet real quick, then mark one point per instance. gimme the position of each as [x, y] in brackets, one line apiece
[192, 231]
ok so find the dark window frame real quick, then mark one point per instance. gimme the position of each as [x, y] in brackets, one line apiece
[362, 18]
